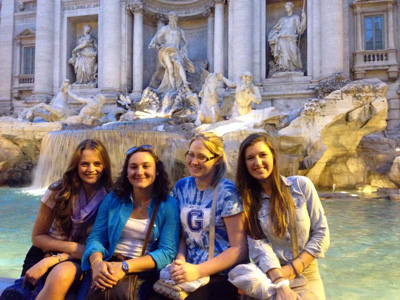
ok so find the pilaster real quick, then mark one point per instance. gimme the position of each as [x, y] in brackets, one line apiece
[6, 51]
[44, 51]
[209, 14]
[110, 16]
[219, 37]
[136, 9]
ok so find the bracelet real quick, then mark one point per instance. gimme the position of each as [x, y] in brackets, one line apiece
[59, 257]
[282, 284]
[302, 262]
[277, 278]
[92, 263]
[294, 269]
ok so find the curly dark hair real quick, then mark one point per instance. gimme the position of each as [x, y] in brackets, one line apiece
[71, 183]
[123, 188]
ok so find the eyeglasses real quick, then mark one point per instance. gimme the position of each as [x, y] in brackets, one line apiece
[133, 149]
[200, 158]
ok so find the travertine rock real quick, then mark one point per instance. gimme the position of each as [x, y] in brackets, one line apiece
[394, 173]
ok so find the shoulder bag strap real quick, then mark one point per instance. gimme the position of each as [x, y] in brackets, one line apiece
[293, 230]
[145, 243]
[212, 224]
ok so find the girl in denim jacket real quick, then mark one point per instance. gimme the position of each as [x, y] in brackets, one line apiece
[268, 200]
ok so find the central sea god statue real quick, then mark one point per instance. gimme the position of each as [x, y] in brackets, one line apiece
[171, 43]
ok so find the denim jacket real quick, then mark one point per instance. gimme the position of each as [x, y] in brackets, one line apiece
[312, 228]
[111, 219]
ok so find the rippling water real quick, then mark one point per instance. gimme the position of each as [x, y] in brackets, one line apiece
[362, 261]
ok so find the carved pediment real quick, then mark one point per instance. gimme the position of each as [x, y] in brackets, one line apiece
[26, 33]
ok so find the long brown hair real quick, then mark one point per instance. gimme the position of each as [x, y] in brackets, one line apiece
[281, 204]
[161, 187]
[215, 145]
[71, 183]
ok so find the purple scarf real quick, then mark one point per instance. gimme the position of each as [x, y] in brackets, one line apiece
[83, 212]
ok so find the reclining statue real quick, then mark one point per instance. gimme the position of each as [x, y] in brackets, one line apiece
[57, 110]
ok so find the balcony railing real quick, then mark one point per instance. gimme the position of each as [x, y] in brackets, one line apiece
[372, 60]
[26, 79]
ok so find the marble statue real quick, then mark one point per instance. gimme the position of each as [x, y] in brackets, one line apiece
[209, 111]
[185, 107]
[115, 113]
[84, 58]
[91, 110]
[283, 40]
[171, 43]
[246, 93]
[57, 110]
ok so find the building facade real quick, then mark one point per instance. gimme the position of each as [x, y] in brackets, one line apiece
[358, 38]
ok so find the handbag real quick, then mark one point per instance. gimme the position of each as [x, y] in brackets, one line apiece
[173, 291]
[18, 292]
[126, 288]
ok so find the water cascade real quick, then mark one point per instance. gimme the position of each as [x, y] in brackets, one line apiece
[57, 147]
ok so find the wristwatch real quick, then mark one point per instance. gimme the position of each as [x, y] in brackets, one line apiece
[125, 267]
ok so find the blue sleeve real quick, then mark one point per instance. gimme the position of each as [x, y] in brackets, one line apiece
[98, 240]
[169, 234]
[232, 203]
[262, 253]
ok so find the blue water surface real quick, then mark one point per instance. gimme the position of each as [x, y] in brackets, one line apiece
[361, 263]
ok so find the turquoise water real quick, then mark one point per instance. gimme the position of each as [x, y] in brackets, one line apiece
[362, 262]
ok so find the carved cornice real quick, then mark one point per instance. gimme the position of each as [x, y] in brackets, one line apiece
[358, 3]
[79, 4]
[183, 8]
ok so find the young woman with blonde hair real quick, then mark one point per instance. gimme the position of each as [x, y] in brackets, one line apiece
[207, 166]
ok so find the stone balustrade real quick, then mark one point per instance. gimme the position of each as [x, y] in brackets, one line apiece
[375, 60]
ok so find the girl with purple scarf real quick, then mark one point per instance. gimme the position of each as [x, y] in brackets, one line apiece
[65, 218]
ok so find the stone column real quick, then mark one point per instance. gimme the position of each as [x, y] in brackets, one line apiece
[6, 51]
[219, 37]
[332, 37]
[243, 38]
[231, 23]
[359, 31]
[209, 14]
[256, 30]
[110, 75]
[137, 11]
[44, 50]
[390, 26]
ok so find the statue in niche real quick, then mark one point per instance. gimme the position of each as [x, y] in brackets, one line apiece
[57, 110]
[246, 93]
[90, 111]
[84, 58]
[171, 43]
[209, 111]
[283, 40]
